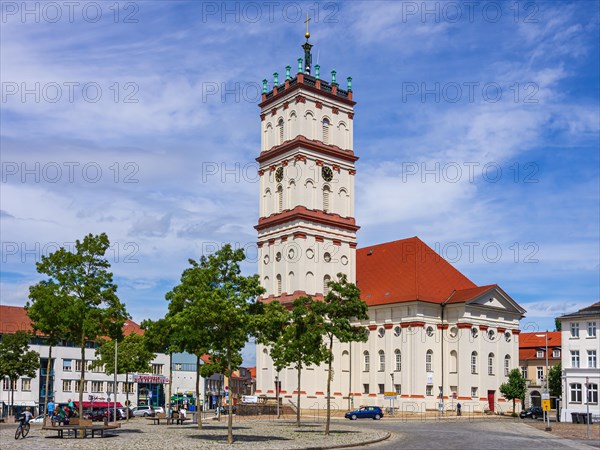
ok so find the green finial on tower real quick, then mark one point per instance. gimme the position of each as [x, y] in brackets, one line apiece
[264, 86]
[276, 79]
[287, 73]
[349, 84]
[317, 70]
[299, 65]
[333, 80]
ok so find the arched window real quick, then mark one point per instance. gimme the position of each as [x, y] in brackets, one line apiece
[267, 203]
[280, 126]
[429, 361]
[491, 364]
[474, 362]
[310, 194]
[367, 361]
[345, 361]
[326, 192]
[279, 198]
[310, 283]
[326, 125]
[326, 280]
[343, 135]
[343, 202]
[398, 357]
[381, 361]
[266, 285]
[291, 286]
[278, 284]
[506, 365]
[291, 200]
[268, 136]
[453, 361]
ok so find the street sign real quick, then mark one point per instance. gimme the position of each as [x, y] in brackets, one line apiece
[546, 405]
[390, 395]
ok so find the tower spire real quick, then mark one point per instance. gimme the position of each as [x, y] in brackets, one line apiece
[306, 47]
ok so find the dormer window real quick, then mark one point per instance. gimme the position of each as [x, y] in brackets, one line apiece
[540, 353]
[556, 353]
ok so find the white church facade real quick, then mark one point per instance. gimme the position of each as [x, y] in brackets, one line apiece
[435, 336]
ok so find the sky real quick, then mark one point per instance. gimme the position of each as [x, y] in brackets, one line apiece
[476, 124]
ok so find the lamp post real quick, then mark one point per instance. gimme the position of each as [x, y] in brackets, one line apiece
[392, 390]
[587, 405]
[547, 392]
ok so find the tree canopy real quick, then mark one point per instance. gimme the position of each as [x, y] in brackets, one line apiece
[81, 285]
[16, 360]
[515, 387]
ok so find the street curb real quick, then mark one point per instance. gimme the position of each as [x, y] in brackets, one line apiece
[356, 444]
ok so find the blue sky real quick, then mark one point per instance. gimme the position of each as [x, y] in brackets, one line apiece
[476, 127]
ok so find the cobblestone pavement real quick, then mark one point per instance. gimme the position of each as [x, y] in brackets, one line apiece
[248, 434]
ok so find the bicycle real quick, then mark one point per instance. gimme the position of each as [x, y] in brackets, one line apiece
[22, 429]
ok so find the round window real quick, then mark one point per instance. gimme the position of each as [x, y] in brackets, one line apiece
[397, 331]
[507, 336]
[344, 260]
[429, 331]
[491, 335]
[266, 259]
[291, 253]
[278, 257]
[474, 332]
[327, 257]
[453, 332]
[381, 332]
[310, 253]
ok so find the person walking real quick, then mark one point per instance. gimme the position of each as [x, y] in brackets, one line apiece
[458, 407]
[50, 408]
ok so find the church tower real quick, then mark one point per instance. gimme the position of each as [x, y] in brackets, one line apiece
[306, 227]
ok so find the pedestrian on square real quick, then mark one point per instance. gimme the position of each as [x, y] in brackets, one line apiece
[50, 408]
[458, 406]
[71, 404]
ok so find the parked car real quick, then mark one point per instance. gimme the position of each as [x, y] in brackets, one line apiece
[534, 412]
[159, 410]
[101, 413]
[143, 411]
[122, 413]
[38, 419]
[365, 412]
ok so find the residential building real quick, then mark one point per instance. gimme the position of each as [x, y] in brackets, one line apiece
[581, 374]
[532, 362]
[66, 367]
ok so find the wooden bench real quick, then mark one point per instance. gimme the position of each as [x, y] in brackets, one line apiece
[156, 419]
[179, 420]
[82, 426]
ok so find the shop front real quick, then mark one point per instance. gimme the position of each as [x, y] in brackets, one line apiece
[150, 389]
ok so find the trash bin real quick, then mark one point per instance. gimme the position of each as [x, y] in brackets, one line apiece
[575, 417]
[585, 418]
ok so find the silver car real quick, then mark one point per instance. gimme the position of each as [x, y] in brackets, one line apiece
[143, 411]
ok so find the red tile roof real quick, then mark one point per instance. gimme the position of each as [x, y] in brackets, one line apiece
[252, 371]
[530, 343]
[14, 318]
[408, 270]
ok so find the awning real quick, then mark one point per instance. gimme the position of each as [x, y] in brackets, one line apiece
[99, 404]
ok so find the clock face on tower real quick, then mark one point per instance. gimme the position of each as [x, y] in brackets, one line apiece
[279, 174]
[327, 173]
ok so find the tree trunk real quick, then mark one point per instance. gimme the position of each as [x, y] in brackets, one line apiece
[198, 408]
[127, 396]
[47, 386]
[329, 377]
[299, 368]
[81, 381]
[230, 402]
[170, 377]
[513, 405]
[12, 396]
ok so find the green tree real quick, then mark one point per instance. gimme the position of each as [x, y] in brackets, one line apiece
[300, 343]
[555, 380]
[340, 308]
[217, 307]
[88, 296]
[515, 387]
[557, 325]
[48, 318]
[16, 360]
[162, 336]
[132, 356]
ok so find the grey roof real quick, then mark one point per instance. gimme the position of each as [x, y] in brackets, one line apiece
[589, 311]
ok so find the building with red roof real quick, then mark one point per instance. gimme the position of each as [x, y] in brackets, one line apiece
[66, 368]
[532, 361]
[436, 337]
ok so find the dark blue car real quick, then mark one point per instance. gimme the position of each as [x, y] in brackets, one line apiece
[365, 412]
